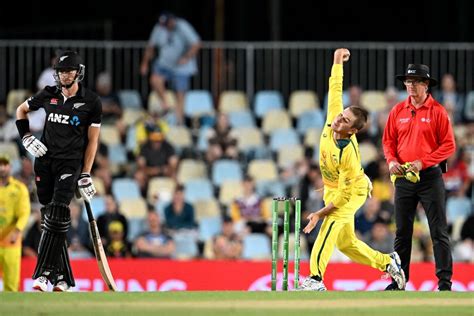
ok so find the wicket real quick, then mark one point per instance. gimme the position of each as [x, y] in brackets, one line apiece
[286, 237]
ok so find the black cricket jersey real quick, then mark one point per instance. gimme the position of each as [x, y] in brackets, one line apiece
[67, 120]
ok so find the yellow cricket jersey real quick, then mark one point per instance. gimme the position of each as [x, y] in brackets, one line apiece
[339, 160]
[14, 210]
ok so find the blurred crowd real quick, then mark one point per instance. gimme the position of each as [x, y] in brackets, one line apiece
[203, 188]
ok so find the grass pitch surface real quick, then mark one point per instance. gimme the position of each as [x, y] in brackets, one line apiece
[238, 303]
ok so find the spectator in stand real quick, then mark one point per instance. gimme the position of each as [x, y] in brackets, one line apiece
[27, 176]
[178, 45]
[111, 107]
[249, 213]
[8, 131]
[227, 245]
[222, 143]
[46, 78]
[379, 237]
[450, 98]
[118, 245]
[456, 179]
[366, 216]
[78, 235]
[179, 214]
[153, 243]
[157, 156]
[111, 214]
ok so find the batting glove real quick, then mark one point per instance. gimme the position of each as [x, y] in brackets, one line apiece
[86, 187]
[34, 146]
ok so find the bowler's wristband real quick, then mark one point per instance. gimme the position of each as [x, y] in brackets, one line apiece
[23, 127]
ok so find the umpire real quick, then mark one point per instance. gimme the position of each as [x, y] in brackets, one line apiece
[419, 132]
[64, 157]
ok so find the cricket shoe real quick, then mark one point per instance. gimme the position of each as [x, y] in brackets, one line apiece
[394, 268]
[62, 286]
[41, 284]
[310, 284]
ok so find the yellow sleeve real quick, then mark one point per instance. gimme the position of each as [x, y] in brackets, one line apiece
[235, 212]
[23, 208]
[335, 105]
[349, 170]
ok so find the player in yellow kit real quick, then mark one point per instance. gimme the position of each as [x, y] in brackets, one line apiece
[346, 188]
[14, 213]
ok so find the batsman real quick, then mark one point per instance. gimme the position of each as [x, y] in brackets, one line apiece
[346, 188]
[63, 160]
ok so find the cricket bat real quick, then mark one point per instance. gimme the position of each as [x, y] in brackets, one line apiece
[99, 251]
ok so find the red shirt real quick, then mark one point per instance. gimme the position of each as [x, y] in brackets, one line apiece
[418, 134]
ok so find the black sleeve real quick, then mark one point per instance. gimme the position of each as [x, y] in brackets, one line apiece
[96, 114]
[37, 101]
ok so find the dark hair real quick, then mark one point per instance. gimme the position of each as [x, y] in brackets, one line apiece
[361, 115]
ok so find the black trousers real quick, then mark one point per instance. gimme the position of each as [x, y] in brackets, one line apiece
[56, 179]
[430, 191]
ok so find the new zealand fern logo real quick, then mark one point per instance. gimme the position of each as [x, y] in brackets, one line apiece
[74, 121]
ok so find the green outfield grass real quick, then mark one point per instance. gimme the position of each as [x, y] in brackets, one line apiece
[238, 303]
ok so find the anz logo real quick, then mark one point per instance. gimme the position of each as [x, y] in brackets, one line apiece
[64, 119]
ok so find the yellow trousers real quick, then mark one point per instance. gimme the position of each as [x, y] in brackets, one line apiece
[339, 231]
[10, 261]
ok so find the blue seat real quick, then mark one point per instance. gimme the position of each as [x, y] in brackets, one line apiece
[283, 137]
[117, 154]
[131, 138]
[209, 227]
[97, 207]
[202, 140]
[310, 119]
[226, 169]
[198, 189]
[270, 188]
[186, 245]
[256, 246]
[125, 188]
[198, 103]
[136, 226]
[130, 99]
[267, 100]
[241, 119]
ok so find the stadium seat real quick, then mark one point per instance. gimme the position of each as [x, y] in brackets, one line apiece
[154, 102]
[130, 99]
[209, 227]
[186, 245]
[136, 226]
[312, 137]
[131, 116]
[16, 97]
[270, 188]
[99, 186]
[97, 207]
[198, 103]
[198, 189]
[267, 100]
[275, 119]
[256, 246]
[248, 138]
[283, 138]
[133, 207]
[368, 153]
[206, 208]
[125, 188]
[10, 149]
[203, 138]
[229, 191]
[289, 155]
[310, 119]
[232, 101]
[189, 169]
[161, 188]
[180, 137]
[241, 119]
[109, 135]
[262, 169]
[226, 169]
[373, 101]
[117, 157]
[302, 101]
